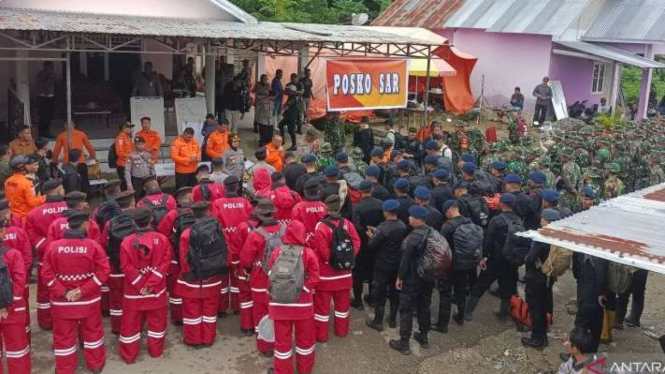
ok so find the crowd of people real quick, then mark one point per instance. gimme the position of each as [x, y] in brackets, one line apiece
[302, 229]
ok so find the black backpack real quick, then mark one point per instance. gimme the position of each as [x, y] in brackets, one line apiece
[468, 244]
[476, 208]
[342, 256]
[204, 150]
[515, 248]
[399, 141]
[112, 156]
[120, 227]
[107, 210]
[419, 181]
[159, 211]
[183, 221]
[207, 253]
[6, 284]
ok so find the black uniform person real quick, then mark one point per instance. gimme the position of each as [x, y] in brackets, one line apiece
[311, 164]
[401, 188]
[494, 266]
[591, 274]
[512, 184]
[415, 292]
[368, 213]
[498, 173]
[373, 174]
[386, 242]
[333, 186]
[435, 218]
[538, 288]
[550, 200]
[292, 169]
[441, 191]
[463, 272]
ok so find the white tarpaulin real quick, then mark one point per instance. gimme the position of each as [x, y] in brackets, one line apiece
[152, 107]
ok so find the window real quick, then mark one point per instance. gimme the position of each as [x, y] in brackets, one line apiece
[598, 77]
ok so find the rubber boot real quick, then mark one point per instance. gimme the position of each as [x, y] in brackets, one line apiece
[377, 322]
[608, 321]
[504, 309]
[392, 318]
[619, 316]
[471, 303]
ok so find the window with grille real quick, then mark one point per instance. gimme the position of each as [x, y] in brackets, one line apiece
[598, 77]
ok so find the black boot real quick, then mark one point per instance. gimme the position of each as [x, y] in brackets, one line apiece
[401, 346]
[459, 318]
[377, 322]
[504, 309]
[471, 304]
[635, 315]
[392, 318]
[357, 301]
[532, 342]
[421, 338]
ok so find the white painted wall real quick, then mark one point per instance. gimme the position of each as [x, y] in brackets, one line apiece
[150, 8]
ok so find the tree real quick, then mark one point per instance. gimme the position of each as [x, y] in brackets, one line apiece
[311, 11]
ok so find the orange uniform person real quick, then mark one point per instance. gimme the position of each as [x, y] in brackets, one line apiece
[152, 140]
[79, 141]
[218, 141]
[275, 153]
[20, 191]
[123, 147]
[186, 155]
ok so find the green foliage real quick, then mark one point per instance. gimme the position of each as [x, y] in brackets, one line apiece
[631, 81]
[311, 11]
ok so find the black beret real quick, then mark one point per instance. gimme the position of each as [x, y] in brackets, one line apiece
[183, 190]
[112, 184]
[142, 214]
[125, 196]
[231, 179]
[147, 179]
[201, 206]
[312, 183]
[51, 184]
[77, 217]
[276, 176]
[75, 196]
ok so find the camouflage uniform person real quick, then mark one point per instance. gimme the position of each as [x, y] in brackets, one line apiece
[357, 156]
[613, 187]
[593, 178]
[544, 164]
[334, 133]
[571, 176]
[325, 157]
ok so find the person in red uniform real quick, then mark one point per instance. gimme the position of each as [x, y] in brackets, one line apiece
[75, 267]
[145, 257]
[244, 289]
[38, 220]
[253, 256]
[155, 196]
[15, 237]
[56, 230]
[333, 284]
[207, 189]
[14, 314]
[298, 315]
[168, 229]
[231, 210]
[200, 296]
[282, 197]
[116, 280]
[312, 210]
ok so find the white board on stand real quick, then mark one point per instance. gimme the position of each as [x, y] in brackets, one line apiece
[191, 112]
[152, 107]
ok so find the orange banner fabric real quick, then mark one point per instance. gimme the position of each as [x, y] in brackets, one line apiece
[366, 84]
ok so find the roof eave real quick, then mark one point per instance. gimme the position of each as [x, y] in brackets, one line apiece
[629, 41]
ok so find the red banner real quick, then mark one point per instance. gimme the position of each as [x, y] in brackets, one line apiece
[366, 84]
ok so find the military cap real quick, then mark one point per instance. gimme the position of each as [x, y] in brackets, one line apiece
[331, 171]
[432, 145]
[112, 184]
[422, 193]
[499, 165]
[260, 152]
[185, 190]
[19, 161]
[231, 179]
[325, 148]
[334, 203]
[311, 132]
[142, 215]
[441, 174]
[372, 171]
[78, 217]
[201, 206]
[418, 212]
[468, 157]
[449, 204]
[309, 158]
[401, 184]
[51, 184]
[545, 160]
[567, 151]
[125, 196]
[139, 139]
[469, 168]
[365, 185]
[203, 167]
[75, 196]
[390, 205]
[538, 177]
[376, 152]
[507, 198]
[276, 176]
[404, 165]
[587, 191]
[217, 161]
[234, 138]
[614, 167]
[4, 204]
[431, 159]
[550, 195]
[512, 178]
[356, 153]
[550, 215]
[342, 157]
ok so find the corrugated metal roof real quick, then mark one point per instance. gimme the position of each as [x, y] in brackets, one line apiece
[546, 17]
[614, 54]
[627, 230]
[235, 11]
[431, 14]
[22, 19]
[641, 21]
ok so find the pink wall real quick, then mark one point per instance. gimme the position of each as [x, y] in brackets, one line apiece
[507, 61]
[576, 76]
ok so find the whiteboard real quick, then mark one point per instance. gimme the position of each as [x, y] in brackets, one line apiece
[191, 109]
[559, 100]
[152, 107]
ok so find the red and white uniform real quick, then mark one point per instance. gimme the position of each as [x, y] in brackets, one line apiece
[333, 285]
[200, 301]
[17, 238]
[284, 200]
[298, 315]
[156, 199]
[36, 226]
[242, 275]
[70, 263]
[115, 284]
[144, 267]
[58, 227]
[231, 212]
[216, 192]
[309, 213]
[252, 256]
[12, 328]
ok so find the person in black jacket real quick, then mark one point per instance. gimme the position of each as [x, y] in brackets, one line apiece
[536, 184]
[434, 218]
[365, 140]
[368, 213]
[415, 292]
[512, 183]
[44, 170]
[458, 279]
[538, 290]
[401, 187]
[592, 294]
[292, 169]
[441, 191]
[498, 173]
[373, 174]
[71, 179]
[550, 200]
[386, 242]
[494, 266]
[311, 164]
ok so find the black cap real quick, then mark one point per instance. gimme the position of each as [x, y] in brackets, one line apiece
[75, 196]
[125, 196]
[4, 204]
[78, 217]
[112, 184]
[217, 161]
[276, 176]
[183, 190]
[147, 179]
[142, 215]
[201, 206]
[264, 207]
[51, 184]
[312, 184]
[231, 179]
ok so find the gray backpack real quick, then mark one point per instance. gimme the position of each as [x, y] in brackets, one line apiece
[287, 276]
[272, 242]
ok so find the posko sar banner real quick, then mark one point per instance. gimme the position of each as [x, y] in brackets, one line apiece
[366, 84]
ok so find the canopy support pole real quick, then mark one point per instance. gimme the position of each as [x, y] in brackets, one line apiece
[69, 101]
[427, 87]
